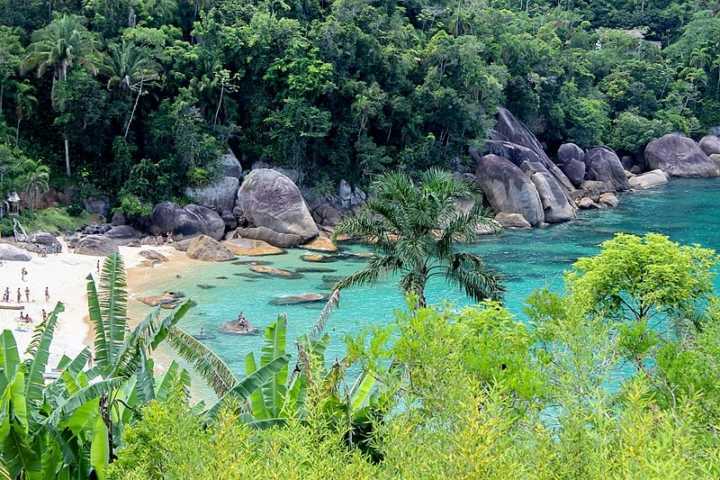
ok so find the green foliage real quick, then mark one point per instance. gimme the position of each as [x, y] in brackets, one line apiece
[414, 228]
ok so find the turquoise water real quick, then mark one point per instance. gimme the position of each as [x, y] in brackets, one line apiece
[685, 210]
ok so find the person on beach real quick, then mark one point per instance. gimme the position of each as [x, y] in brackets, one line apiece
[27, 294]
[44, 315]
[6, 295]
[23, 274]
[98, 266]
[19, 296]
[47, 295]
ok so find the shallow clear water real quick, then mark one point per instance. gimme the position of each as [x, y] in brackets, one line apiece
[685, 210]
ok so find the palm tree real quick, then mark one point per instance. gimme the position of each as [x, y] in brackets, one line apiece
[25, 102]
[130, 69]
[414, 228]
[34, 180]
[58, 46]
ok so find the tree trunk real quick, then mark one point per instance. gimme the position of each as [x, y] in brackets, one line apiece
[67, 155]
[132, 114]
[217, 112]
[17, 131]
[2, 95]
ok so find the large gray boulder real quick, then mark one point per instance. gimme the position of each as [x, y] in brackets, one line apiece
[271, 201]
[122, 232]
[219, 195]
[509, 129]
[679, 156]
[208, 250]
[47, 241]
[571, 160]
[603, 165]
[710, 144]
[507, 188]
[96, 245]
[650, 179]
[555, 204]
[10, 253]
[168, 217]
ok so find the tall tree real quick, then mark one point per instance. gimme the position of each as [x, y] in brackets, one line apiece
[415, 227]
[65, 42]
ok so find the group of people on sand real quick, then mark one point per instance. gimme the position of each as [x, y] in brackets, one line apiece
[19, 296]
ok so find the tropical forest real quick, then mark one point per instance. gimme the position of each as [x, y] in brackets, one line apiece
[359, 239]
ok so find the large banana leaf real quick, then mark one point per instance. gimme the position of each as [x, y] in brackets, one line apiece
[40, 348]
[15, 448]
[362, 390]
[257, 399]
[274, 347]
[205, 362]
[99, 449]
[113, 304]
[83, 395]
[174, 375]
[9, 358]
[245, 387]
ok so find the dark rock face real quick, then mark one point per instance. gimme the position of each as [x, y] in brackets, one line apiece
[122, 232]
[118, 218]
[679, 156]
[188, 221]
[271, 202]
[507, 188]
[96, 245]
[603, 165]
[218, 195]
[510, 129]
[97, 205]
[571, 160]
[710, 145]
[47, 241]
[231, 165]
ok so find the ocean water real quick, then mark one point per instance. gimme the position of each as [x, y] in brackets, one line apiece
[685, 210]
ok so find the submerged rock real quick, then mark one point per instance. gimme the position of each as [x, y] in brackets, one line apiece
[153, 256]
[679, 156]
[609, 200]
[275, 272]
[317, 258]
[650, 179]
[587, 203]
[238, 327]
[209, 250]
[167, 300]
[298, 299]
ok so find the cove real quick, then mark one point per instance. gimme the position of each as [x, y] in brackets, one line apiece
[685, 210]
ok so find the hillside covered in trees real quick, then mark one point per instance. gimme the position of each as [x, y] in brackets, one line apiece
[137, 99]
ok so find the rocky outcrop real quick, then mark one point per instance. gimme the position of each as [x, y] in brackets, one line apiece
[512, 220]
[46, 241]
[10, 253]
[349, 197]
[321, 244]
[679, 156]
[507, 188]
[275, 209]
[571, 160]
[509, 129]
[219, 195]
[609, 200]
[122, 232]
[208, 249]
[648, 180]
[710, 145]
[556, 206]
[603, 165]
[97, 205]
[587, 203]
[96, 245]
[168, 217]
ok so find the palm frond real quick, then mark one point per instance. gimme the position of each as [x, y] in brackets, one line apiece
[205, 362]
[102, 354]
[319, 327]
[274, 347]
[375, 268]
[79, 398]
[470, 273]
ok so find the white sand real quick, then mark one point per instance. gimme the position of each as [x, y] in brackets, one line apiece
[65, 275]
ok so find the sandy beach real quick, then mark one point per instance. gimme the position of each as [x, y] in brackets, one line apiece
[65, 276]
